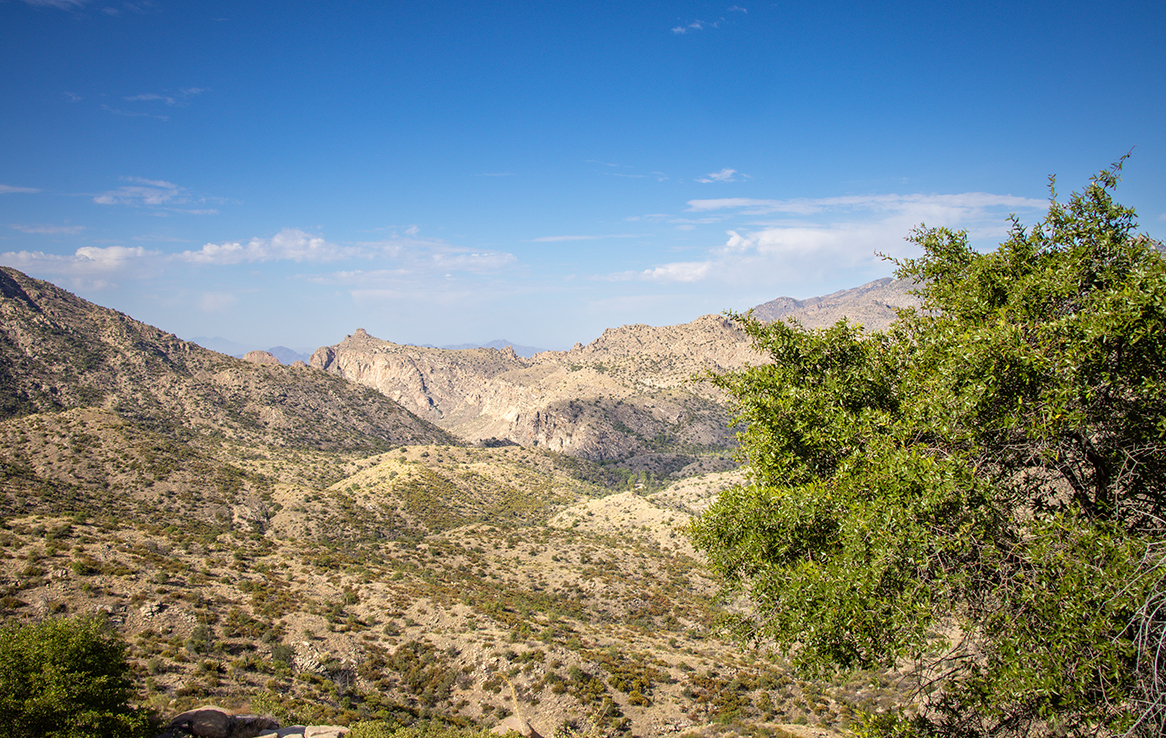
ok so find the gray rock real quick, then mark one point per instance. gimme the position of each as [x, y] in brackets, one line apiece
[249, 726]
[208, 721]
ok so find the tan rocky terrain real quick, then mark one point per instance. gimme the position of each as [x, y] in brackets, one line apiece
[284, 541]
[631, 396]
[630, 393]
[58, 351]
[872, 306]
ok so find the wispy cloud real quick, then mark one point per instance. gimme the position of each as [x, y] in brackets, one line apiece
[9, 189]
[138, 8]
[696, 25]
[474, 262]
[49, 230]
[143, 192]
[831, 233]
[725, 175]
[180, 98]
[90, 267]
[805, 206]
[290, 244]
[157, 194]
[681, 271]
[737, 9]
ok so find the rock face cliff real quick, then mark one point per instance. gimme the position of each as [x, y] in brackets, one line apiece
[630, 392]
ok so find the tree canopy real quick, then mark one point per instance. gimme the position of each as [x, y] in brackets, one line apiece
[64, 678]
[978, 490]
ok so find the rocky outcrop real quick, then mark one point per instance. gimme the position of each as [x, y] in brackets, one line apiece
[872, 306]
[260, 357]
[630, 391]
[210, 721]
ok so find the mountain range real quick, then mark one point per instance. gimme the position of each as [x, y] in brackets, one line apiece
[394, 532]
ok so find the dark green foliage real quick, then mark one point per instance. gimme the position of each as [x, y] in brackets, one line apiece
[65, 679]
[992, 465]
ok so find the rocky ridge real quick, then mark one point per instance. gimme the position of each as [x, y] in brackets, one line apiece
[629, 396]
[872, 306]
[58, 352]
[631, 392]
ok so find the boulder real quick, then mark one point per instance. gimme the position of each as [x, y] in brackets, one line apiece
[249, 726]
[208, 721]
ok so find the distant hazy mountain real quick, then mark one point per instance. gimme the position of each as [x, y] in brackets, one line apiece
[872, 305]
[501, 343]
[232, 348]
[287, 356]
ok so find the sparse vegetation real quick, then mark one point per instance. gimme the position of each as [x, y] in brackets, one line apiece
[340, 561]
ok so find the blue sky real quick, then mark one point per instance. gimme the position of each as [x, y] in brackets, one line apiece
[284, 173]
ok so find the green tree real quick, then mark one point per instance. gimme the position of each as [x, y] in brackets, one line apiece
[65, 678]
[991, 468]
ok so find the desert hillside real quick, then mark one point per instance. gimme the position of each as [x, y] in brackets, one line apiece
[287, 541]
[633, 392]
[872, 306]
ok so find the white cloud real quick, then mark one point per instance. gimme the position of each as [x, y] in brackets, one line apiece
[725, 175]
[157, 194]
[91, 267]
[180, 98]
[290, 244]
[831, 234]
[681, 271]
[143, 192]
[965, 201]
[109, 258]
[473, 262]
[693, 26]
[49, 230]
[9, 189]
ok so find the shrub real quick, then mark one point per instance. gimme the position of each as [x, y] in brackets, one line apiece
[65, 678]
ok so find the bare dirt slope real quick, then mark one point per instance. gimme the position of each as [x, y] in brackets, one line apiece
[872, 306]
